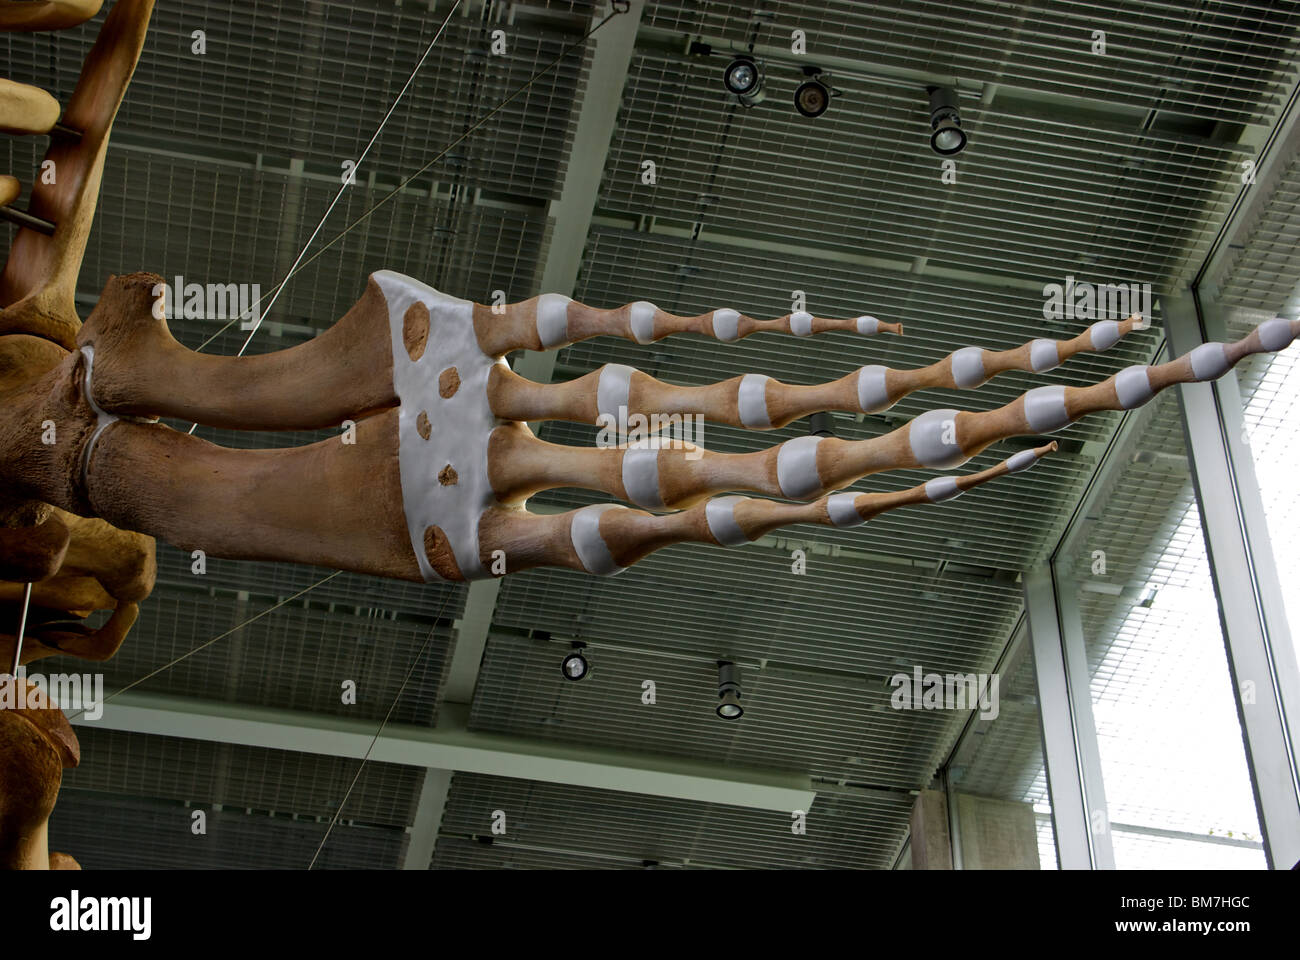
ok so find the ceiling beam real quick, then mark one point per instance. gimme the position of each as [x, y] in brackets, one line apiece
[597, 113]
[428, 820]
[471, 640]
[451, 745]
[1274, 156]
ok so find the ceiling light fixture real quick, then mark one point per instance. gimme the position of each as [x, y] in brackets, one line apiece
[729, 707]
[821, 425]
[946, 135]
[575, 666]
[744, 79]
[812, 97]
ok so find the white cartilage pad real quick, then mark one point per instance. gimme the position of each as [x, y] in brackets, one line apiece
[641, 317]
[968, 367]
[1276, 334]
[588, 544]
[553, 319]
[464, 422]
[103, 419]
[751, 400]
[641, 475]
[612, 389]
[801, 323]
[721, 516]
[1133, 387]
[1045, 409]
[726, 324]
[839, 507]
[1103, 334]
[872, 393]
[796, 467]
[868, 325]
[1209, 361]
[1021, 461]
[933, 438]
[1043, 355]
[942, 488]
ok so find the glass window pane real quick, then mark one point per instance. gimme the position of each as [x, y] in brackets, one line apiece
[1173, 762]
[1270, 397]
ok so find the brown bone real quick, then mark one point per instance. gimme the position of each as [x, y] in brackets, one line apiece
[74, 565]
[36, 745]
[40, 278]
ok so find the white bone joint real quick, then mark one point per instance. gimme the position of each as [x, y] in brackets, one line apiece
[1209, 361]
[612, 389]
[1044, 355]
[872, 393]
[839, 507]
[1021, 461]
[553, 319]
[726, 325]
[641, 317]
[103, 420]
[796, 467]
[720, 513]
[968, 367]
[751, 400]
[1045, 409]
[942, 488]
[588, 544]
[933, 438]
[1103, 334]
[1133, 387]
[641, 475]
[1276, 334]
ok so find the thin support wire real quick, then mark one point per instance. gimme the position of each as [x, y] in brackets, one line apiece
[203, 646]
[22, 628]
[441, 153]
[415, 662]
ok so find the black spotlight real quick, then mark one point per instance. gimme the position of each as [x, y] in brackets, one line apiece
[812, 97]
[729, 707]
[744, 78]
[946, 135]
[575, 666]
[821, 425]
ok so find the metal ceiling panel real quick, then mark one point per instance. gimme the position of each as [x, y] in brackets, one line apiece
[1115, 168]
[1218, 61]
[588, 829]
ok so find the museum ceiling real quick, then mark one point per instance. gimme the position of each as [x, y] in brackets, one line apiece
[1114, 168]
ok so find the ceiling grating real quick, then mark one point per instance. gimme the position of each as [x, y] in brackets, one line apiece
[1111, 169]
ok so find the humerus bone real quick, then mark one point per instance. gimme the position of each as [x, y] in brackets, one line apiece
[434, 485]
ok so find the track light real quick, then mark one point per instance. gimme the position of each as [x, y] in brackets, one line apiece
[729, 707]
[575, 666]
[812, 97]
[821, 425]
[744, 78]
[946, 135]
